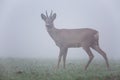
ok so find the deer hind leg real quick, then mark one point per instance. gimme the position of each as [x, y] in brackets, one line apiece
[100, 51]
[63, 52]
[91, 56]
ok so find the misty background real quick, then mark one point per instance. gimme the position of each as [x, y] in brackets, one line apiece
[23, 32]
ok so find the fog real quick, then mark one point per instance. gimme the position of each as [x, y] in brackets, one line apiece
[23, 32]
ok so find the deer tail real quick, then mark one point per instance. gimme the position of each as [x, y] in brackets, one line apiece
[96, 36]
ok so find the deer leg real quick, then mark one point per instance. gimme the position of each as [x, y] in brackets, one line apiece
[59, 59]
[97, 48]
[64, 57]
[91, 56]
[63, 52]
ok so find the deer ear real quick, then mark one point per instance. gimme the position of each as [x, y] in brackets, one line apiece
[43, 17]
[54, 16]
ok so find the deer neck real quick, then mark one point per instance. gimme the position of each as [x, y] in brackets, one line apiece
[52, 31]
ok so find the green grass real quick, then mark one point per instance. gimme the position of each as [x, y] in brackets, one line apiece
[40, 69]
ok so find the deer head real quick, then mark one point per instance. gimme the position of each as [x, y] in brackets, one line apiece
[48, 19]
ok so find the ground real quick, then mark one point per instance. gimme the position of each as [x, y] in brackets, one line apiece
[45, 69]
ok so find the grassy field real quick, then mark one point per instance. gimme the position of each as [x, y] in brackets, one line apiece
[43, 69]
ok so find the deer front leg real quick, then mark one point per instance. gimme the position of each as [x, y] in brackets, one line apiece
[59, 59]
[88, 51]
[63, 52]
[64, 57]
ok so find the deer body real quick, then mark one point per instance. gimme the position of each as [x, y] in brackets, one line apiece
[73, 37]
[67, 38]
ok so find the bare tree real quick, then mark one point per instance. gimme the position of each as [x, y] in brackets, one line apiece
[67, 38]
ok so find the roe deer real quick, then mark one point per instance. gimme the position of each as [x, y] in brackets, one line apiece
[67, 38]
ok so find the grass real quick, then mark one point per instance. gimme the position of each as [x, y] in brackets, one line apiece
[40, 69]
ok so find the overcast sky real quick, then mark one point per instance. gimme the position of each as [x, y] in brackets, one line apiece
[23, 32]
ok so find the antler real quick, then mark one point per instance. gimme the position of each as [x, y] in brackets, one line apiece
[51, 13]
[46, 14]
